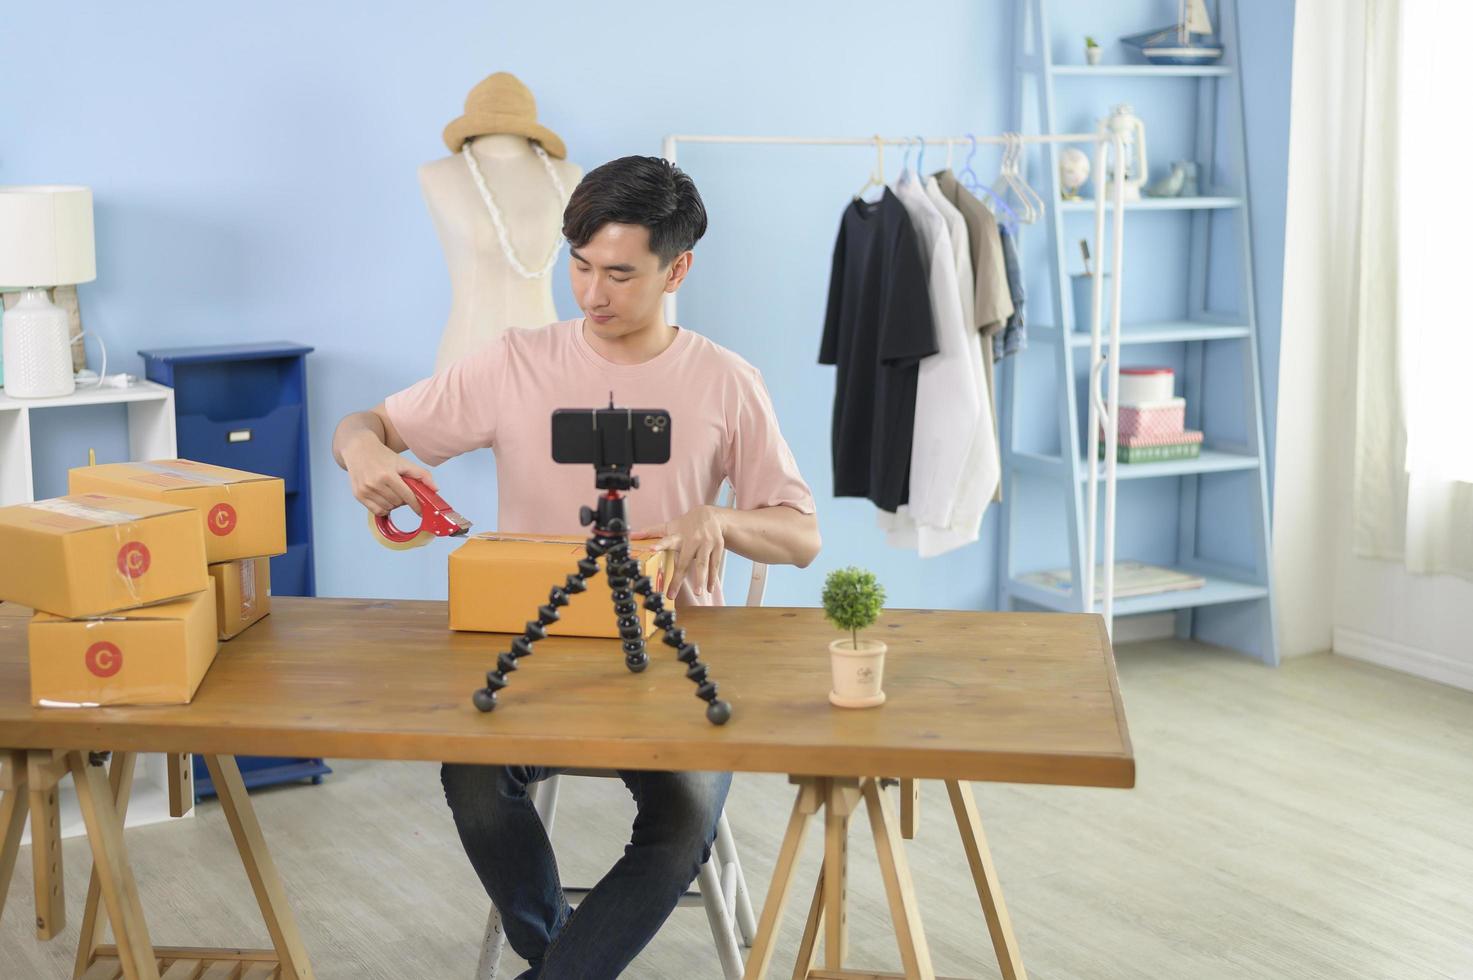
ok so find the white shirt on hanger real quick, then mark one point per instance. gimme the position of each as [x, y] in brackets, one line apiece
[948, 395]
[982, 470]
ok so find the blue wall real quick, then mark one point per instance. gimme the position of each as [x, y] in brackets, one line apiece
[255, 179]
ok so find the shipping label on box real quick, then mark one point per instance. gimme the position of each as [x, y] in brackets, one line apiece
[242, 594]
[243, 514]
[154, 655]
[88, 554]
[497, 581]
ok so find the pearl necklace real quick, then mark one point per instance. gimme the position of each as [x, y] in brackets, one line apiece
[501, 235]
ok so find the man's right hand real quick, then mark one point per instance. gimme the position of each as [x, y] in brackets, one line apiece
[377, 473]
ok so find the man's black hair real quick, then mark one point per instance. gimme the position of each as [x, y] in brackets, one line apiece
[648, 191]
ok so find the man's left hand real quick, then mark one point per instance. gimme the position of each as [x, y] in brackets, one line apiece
[699, 541]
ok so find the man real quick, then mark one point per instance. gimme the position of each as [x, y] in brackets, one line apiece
[631, 225]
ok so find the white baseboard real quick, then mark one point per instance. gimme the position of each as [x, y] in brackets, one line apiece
[1398, 656]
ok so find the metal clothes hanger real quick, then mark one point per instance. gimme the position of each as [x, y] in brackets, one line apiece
[1035, 203]
[877, 175]
[973, 183]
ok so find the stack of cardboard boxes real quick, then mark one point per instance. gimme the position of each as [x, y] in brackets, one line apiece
[136, 575]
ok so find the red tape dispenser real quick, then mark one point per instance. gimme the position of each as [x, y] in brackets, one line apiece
[437, 519]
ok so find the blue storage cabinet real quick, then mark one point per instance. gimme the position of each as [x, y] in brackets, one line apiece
[245, 406]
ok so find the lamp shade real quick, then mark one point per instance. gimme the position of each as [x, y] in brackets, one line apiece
[46, 236]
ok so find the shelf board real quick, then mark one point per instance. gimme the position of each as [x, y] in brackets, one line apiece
[142, 391]
[1213, 203]
[1216, 591]
[1210, 461]
[1165, 332]
[1144, 71]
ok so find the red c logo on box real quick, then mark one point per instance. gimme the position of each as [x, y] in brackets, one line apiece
[134, 559]
[104, 659]
[222, 519]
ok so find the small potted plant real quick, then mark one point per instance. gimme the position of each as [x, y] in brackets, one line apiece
[852, 600]
[1091, 51]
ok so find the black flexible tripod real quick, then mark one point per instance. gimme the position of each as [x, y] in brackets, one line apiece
[610, 541]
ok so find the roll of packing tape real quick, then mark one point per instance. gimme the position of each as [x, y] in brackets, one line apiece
[418, 541]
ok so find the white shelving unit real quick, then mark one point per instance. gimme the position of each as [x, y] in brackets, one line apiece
[150, 409]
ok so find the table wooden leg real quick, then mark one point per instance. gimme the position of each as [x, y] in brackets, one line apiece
[120, 781]
[810, 797]
[836, 872]
[12, 815]
[899, 888]
[44, 769]
[808, 946]
[110, 857]
[181, 784]
[265, 880]
[984, 873]
[910, 807]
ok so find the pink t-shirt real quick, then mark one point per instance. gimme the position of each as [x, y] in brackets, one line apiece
[502, 397]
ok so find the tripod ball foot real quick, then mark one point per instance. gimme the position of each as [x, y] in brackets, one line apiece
[485, 699]
[637, 664]
[718, 712]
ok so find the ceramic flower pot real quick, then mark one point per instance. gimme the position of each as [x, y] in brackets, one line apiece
[1092, 54]
[858, 671]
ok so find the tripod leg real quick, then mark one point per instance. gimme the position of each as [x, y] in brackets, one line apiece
[631, 631]
[557, 597]
[717, 711]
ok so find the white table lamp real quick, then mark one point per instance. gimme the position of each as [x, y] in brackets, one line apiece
[45, 240]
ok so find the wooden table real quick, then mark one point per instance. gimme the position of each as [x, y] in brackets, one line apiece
[1010, 697]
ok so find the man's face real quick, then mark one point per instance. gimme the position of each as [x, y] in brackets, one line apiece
[619, 283]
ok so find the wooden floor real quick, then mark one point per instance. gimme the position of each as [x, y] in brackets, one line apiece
[1314, 821]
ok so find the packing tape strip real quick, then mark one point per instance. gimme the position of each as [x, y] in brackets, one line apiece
[418, 541]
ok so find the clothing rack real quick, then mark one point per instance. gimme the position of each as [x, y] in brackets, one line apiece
[1099, 408]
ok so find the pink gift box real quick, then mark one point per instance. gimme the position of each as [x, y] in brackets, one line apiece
[1153, 419]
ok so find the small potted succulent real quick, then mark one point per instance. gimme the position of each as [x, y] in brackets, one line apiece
[1091, 51]
[852, 600]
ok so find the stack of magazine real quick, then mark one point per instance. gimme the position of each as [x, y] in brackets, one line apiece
[1132, 578]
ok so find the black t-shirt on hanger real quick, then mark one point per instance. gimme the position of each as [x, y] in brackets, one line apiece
[878, 328]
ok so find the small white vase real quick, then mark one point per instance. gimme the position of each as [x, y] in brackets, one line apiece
[1092, 54]
[858, 671]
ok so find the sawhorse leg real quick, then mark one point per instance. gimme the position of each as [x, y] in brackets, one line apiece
[839, 798]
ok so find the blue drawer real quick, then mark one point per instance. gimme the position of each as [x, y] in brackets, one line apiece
[291, 572]
[270, 444]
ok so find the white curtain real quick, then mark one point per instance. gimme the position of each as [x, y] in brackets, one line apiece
[1413, 493]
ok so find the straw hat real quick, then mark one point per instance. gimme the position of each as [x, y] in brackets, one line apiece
[502, 104]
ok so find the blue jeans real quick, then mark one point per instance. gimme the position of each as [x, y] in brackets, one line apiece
[672, 836]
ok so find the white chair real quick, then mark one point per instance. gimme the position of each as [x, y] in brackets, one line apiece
[720, 886]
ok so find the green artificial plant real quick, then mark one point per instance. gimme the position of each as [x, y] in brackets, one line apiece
[852, 600]
[1090, 42]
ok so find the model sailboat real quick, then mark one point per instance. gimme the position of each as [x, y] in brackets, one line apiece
[1178, 44]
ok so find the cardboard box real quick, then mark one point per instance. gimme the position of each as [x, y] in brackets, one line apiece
[89, 554]
[154, 655]
[242, 594]
[497, 581]
[244, 514]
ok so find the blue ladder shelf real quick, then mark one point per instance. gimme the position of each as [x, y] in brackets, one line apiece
[1213, 510]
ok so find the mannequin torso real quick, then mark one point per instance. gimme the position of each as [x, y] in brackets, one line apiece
[487, 295]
